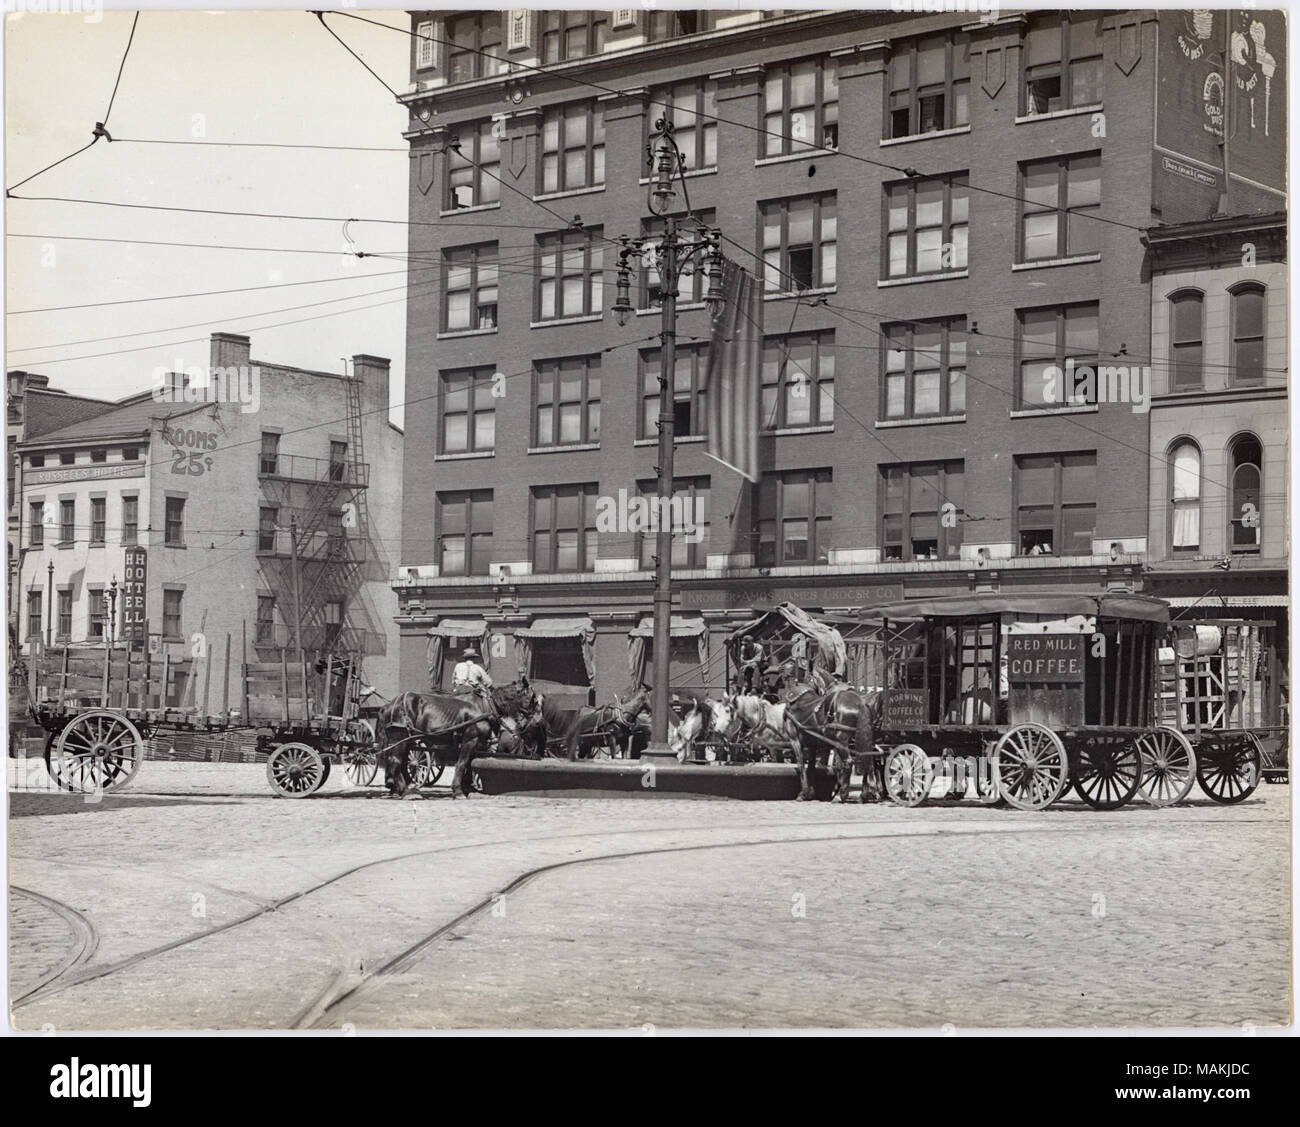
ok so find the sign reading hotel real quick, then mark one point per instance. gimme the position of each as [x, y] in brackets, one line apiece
[1045, 658]
[134, 618]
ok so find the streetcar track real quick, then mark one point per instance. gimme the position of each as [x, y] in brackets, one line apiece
[85, 939]
[181, 878]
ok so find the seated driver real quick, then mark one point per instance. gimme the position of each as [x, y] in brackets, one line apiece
[470, 677]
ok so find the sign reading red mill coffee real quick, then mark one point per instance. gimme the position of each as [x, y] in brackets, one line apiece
[134, 618]
[764, 594]
[1045, 658]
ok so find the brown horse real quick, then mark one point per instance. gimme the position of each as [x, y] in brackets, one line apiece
[843, 720]
[607, 721]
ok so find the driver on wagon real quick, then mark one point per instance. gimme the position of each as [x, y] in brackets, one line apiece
[470, 677]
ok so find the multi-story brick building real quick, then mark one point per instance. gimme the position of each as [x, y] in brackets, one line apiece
[946, 213]
[215, 488]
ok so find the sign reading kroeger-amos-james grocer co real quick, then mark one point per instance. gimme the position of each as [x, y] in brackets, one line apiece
[1045, 658]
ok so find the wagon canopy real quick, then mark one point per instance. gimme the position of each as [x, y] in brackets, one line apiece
[780, 618]
[1138, 608]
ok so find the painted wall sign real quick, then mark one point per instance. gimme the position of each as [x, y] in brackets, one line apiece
[132, 597]
[1182, 168]
[907, 708]
[82, 473]
[188, 446]
[1045, 658]
[743, 595]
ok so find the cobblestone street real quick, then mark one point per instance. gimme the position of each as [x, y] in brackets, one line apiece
[351, 910]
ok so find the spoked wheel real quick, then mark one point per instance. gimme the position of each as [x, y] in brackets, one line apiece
[425, 768]
[1030, 766]
[97, 751]
[361, 763]
[296, 770]
[909, 775]
[1108, 772]
[1229, 766]
[1168, 766]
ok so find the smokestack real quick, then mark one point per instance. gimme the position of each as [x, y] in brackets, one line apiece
[372, 371]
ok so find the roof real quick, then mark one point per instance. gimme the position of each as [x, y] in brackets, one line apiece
[1141, 608]
[46, 409]
[128, 418]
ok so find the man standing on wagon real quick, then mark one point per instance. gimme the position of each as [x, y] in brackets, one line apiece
[469, 677]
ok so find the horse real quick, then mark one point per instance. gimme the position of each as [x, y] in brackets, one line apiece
[569, 725]
[470, 722]
[704, 717]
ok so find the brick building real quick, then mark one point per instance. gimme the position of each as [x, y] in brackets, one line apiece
[213, 487]
[946, 213]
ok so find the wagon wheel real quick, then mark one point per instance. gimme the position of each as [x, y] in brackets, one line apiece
[296, 770]
[1108, 772]
[909, 775]
[1168, 766]
[1030, 766]
[425, 768]
[361, 762]
[97, 750]
[1229, 769]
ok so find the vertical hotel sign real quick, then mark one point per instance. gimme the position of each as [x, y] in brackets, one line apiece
[134, 618]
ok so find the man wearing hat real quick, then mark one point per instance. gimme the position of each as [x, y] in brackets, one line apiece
[470, 677]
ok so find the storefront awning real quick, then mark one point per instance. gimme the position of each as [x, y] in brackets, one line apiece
[683, 626]
[557, 628]
[459, 628]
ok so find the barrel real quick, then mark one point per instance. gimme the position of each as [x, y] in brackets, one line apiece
[1194, 641]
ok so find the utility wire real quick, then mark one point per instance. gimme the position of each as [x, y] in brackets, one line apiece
[121, 67]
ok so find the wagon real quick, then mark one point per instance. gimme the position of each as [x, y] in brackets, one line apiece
[1023, 696]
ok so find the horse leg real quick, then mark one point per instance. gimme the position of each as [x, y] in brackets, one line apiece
[843, 775]
[459, 778]
[394, 763]
[801, 765]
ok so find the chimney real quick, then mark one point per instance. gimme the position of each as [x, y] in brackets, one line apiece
[229, 350]
[175, 384]
[372, 371]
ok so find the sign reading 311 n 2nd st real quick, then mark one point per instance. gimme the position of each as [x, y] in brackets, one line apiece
[1045, 658]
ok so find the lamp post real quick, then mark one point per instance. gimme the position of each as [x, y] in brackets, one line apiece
[112, 611]
[49, 607]
[674, 252]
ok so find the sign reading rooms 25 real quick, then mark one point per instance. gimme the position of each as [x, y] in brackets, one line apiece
[188, 450]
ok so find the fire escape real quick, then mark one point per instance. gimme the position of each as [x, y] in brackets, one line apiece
[314, 553]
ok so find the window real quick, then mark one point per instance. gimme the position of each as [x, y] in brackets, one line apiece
[929, 85]
[1185, 497]
[338, 460]
[921, 511]
[424, 45]
[130, 453]
[690, 391]
[799, 380]
[1062, 198]
[36, 461]
[692, 108]
[559, 661]
[98, 610]
[64, 625]
[572, 34]
[67, 458]
[270, 459]
[464, 532]
[689, 513]
[98, 456]
[36, 524]
[801, 108]
[172, 613]
[925, 369]
[1186, 339]
[130, 519]
[1056, 498]
[174, 531]
[34, 608]
[564, 528]
[469, 286]
[1248, 333]
[568, 401]
[473, 166]
[1062, 61]
[469, 417]
[1058, 355]
[268, 518]
[474, 47]
[692, 280]
[98, 519]
[569, 273]
[1245, 515]
[573, 148]
[264, 625]
[798, 243]
[67, 522]
[927, 225]
[662, 25]
[793, 518]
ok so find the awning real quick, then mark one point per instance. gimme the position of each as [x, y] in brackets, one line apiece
[557, 628]
[829, 640]
[1138, 607]
[460, 628]
[683, 626]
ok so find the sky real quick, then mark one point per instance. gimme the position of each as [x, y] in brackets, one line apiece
[234, 76]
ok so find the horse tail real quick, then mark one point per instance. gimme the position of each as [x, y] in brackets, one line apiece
[864, 740]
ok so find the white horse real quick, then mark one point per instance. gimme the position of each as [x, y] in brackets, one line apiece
[766, 722]
[705, 717]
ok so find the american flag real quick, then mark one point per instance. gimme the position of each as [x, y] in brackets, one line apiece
[735, 373]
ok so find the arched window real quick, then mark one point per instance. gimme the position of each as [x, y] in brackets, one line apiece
[1186, 337]
[1248, 333]
[1185, 497]
[1245, 511]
